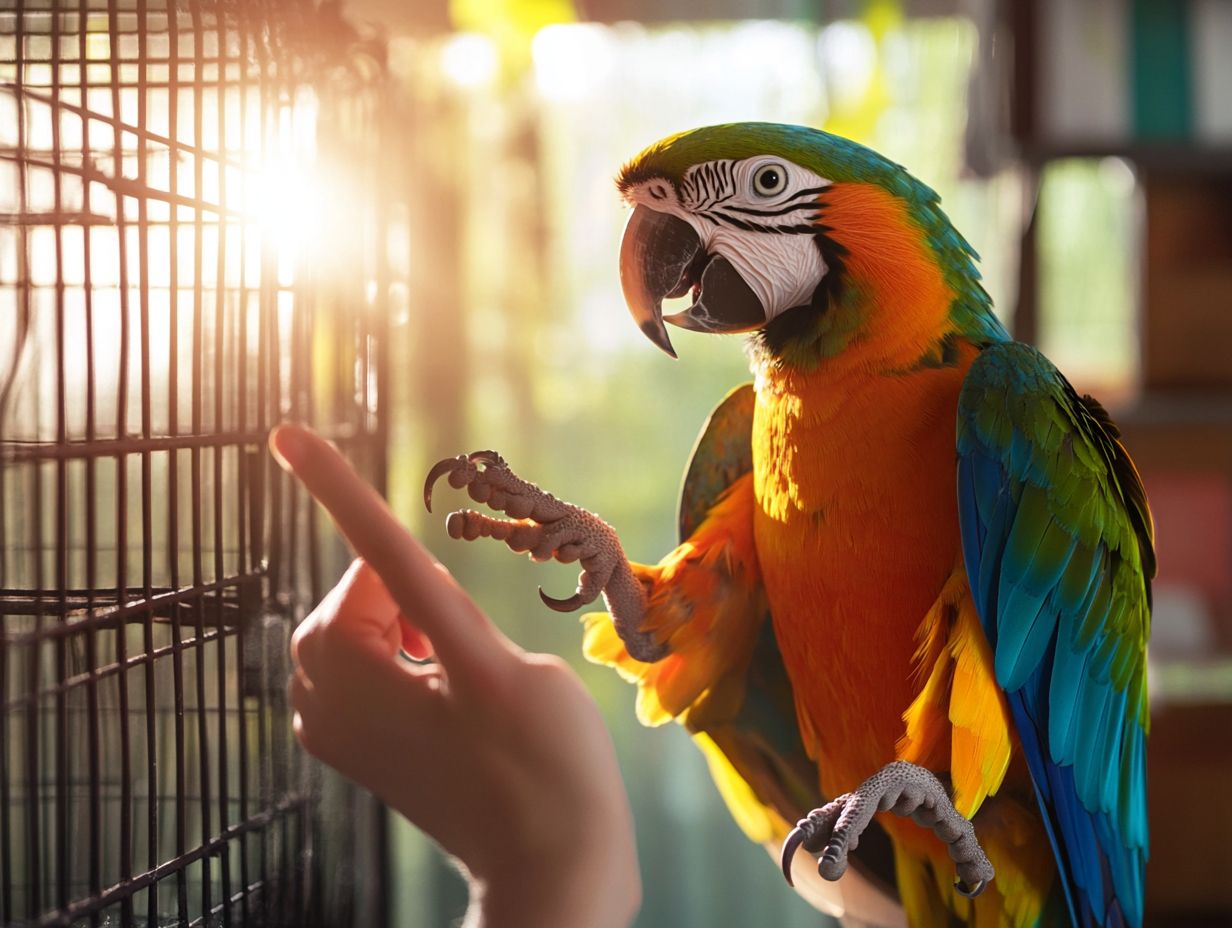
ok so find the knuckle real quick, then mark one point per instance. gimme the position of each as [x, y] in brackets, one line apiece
[303, 638]
[550, 664]
[361, 583]
[551, 672]
[328, 634]
[305, 734]
[311, 629]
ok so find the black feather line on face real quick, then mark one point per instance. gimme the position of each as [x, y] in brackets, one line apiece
[803, 199]
[719, 216]
[703, 181]
[781, 211]
[709, 186]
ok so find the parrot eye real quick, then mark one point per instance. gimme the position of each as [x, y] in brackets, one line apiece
[769, 180]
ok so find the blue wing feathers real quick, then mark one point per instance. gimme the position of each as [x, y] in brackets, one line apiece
[1094, 612]
[1093, 722]
[1066, 832]
[1068, 671]
[1021, 644]
[1058, 546]
[1135, 771]
[1112, 757]
[987, 480]
[991, 563]
[969, 496]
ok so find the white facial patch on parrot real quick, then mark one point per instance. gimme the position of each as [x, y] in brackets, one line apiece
[757, 213]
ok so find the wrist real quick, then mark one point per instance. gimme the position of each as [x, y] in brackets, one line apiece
[597, 886]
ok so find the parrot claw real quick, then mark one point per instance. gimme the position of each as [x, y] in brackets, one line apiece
[439, 470]
[458, 465]
[972, 891]
[548, 528]
[811, 833]
[798, 836]
[575, 601]
[905, 789]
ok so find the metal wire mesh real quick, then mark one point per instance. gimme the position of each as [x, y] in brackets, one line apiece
[163, 302]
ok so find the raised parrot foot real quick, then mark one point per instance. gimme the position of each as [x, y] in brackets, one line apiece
[548, 529]
[902, 788]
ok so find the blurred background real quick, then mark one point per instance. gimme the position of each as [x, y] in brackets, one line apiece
[398, 221]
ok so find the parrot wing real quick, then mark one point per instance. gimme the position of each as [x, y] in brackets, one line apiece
[722, 454]
[1059, 550]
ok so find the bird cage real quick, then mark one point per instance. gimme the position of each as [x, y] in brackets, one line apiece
[174, 178]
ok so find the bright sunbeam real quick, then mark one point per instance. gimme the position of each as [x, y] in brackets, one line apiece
[285, 210]
[288, 197]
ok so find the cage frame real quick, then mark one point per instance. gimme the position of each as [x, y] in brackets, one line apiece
[283, 550]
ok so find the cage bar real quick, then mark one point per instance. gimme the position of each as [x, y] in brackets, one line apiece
[160, 312]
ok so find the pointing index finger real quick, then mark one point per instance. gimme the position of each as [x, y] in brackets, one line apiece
[460, 633]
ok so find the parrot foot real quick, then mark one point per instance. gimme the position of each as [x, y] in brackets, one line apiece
[548, 529]
[905, 789]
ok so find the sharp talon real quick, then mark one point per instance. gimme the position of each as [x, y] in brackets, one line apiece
[970, 891]
[563, 605]
[790, 846]
[439, 470]
[486, 457]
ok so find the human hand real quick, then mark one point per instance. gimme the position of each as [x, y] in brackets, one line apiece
[498, 754]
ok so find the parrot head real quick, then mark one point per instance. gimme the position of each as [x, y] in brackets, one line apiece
[779, 230]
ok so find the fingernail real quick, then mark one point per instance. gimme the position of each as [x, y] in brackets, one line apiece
[286, 445]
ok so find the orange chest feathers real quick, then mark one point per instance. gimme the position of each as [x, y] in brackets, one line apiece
[856, 529]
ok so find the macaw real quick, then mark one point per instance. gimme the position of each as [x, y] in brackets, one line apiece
[915, 564]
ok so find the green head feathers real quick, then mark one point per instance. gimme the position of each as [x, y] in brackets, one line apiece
[831, 156]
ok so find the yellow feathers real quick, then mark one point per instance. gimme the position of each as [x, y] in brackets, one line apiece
[959, 722]
[1015, 842]
[759, 821]
[959, 702]
[981, 744]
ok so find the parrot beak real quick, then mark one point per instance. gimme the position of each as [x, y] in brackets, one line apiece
[655, 255]
[661, 257]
